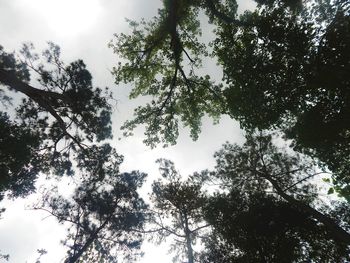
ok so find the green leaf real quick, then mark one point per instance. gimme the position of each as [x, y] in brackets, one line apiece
[330, 191]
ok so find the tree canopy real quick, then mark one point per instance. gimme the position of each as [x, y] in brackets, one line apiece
[292, 67]
[104, 217]
[178, 210]
[259, 204]
[270, 210]
[285, 66]
[49, 125]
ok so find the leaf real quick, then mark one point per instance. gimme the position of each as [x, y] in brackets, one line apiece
[330, 191]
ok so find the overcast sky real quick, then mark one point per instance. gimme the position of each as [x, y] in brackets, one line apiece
[83, 28]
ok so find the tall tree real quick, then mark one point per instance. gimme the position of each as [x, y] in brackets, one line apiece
[104, 215]
[177, 210]
[269, 211]
[257, 227]
[49, 120]
[285, 66]
[291, 66]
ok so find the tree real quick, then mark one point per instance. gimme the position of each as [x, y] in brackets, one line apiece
[260, 228]
[178, 209]
[162, 58]
[49, 125]
[104, 215]
[19, 147]
[285, 66]
[291, 66]
[156, 55]
[269, 211]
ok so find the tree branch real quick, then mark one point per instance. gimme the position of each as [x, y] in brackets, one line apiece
[302, 180]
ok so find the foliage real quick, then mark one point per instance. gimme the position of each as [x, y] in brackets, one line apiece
[41, 253]
[104, 215]
[177, 209]
[264, 229]
[48, 125]
[267, 211]
[19, 147]
[285, 66]
[162, 58]
[293, 69]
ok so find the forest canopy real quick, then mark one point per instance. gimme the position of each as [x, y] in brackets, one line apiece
[285, 67]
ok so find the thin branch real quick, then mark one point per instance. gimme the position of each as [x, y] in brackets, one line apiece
[199, 228]
[288, 172]
[169, 230]
[302, 180]
[188, 56]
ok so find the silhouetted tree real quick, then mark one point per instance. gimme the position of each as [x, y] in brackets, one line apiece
[268, 211]
[104, 215]
[291, 66]
[49, 120]
[261, 228]
[177, 210]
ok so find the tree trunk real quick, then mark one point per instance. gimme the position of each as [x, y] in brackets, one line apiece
[44, 98]
[333, 228]
[38, 95]
[188, 241]
[88, 242]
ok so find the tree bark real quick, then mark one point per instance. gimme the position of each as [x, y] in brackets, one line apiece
[188, 241]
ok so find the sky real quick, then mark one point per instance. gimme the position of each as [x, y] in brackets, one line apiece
[83, 28]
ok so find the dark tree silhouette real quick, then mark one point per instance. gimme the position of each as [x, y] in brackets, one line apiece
[292, 67]
[268, 211]
[260, 228]
[104, 215]
[177, 210]
[50, 120]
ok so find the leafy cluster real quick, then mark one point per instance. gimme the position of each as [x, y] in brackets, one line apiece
[299, 60]
[162, 58]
